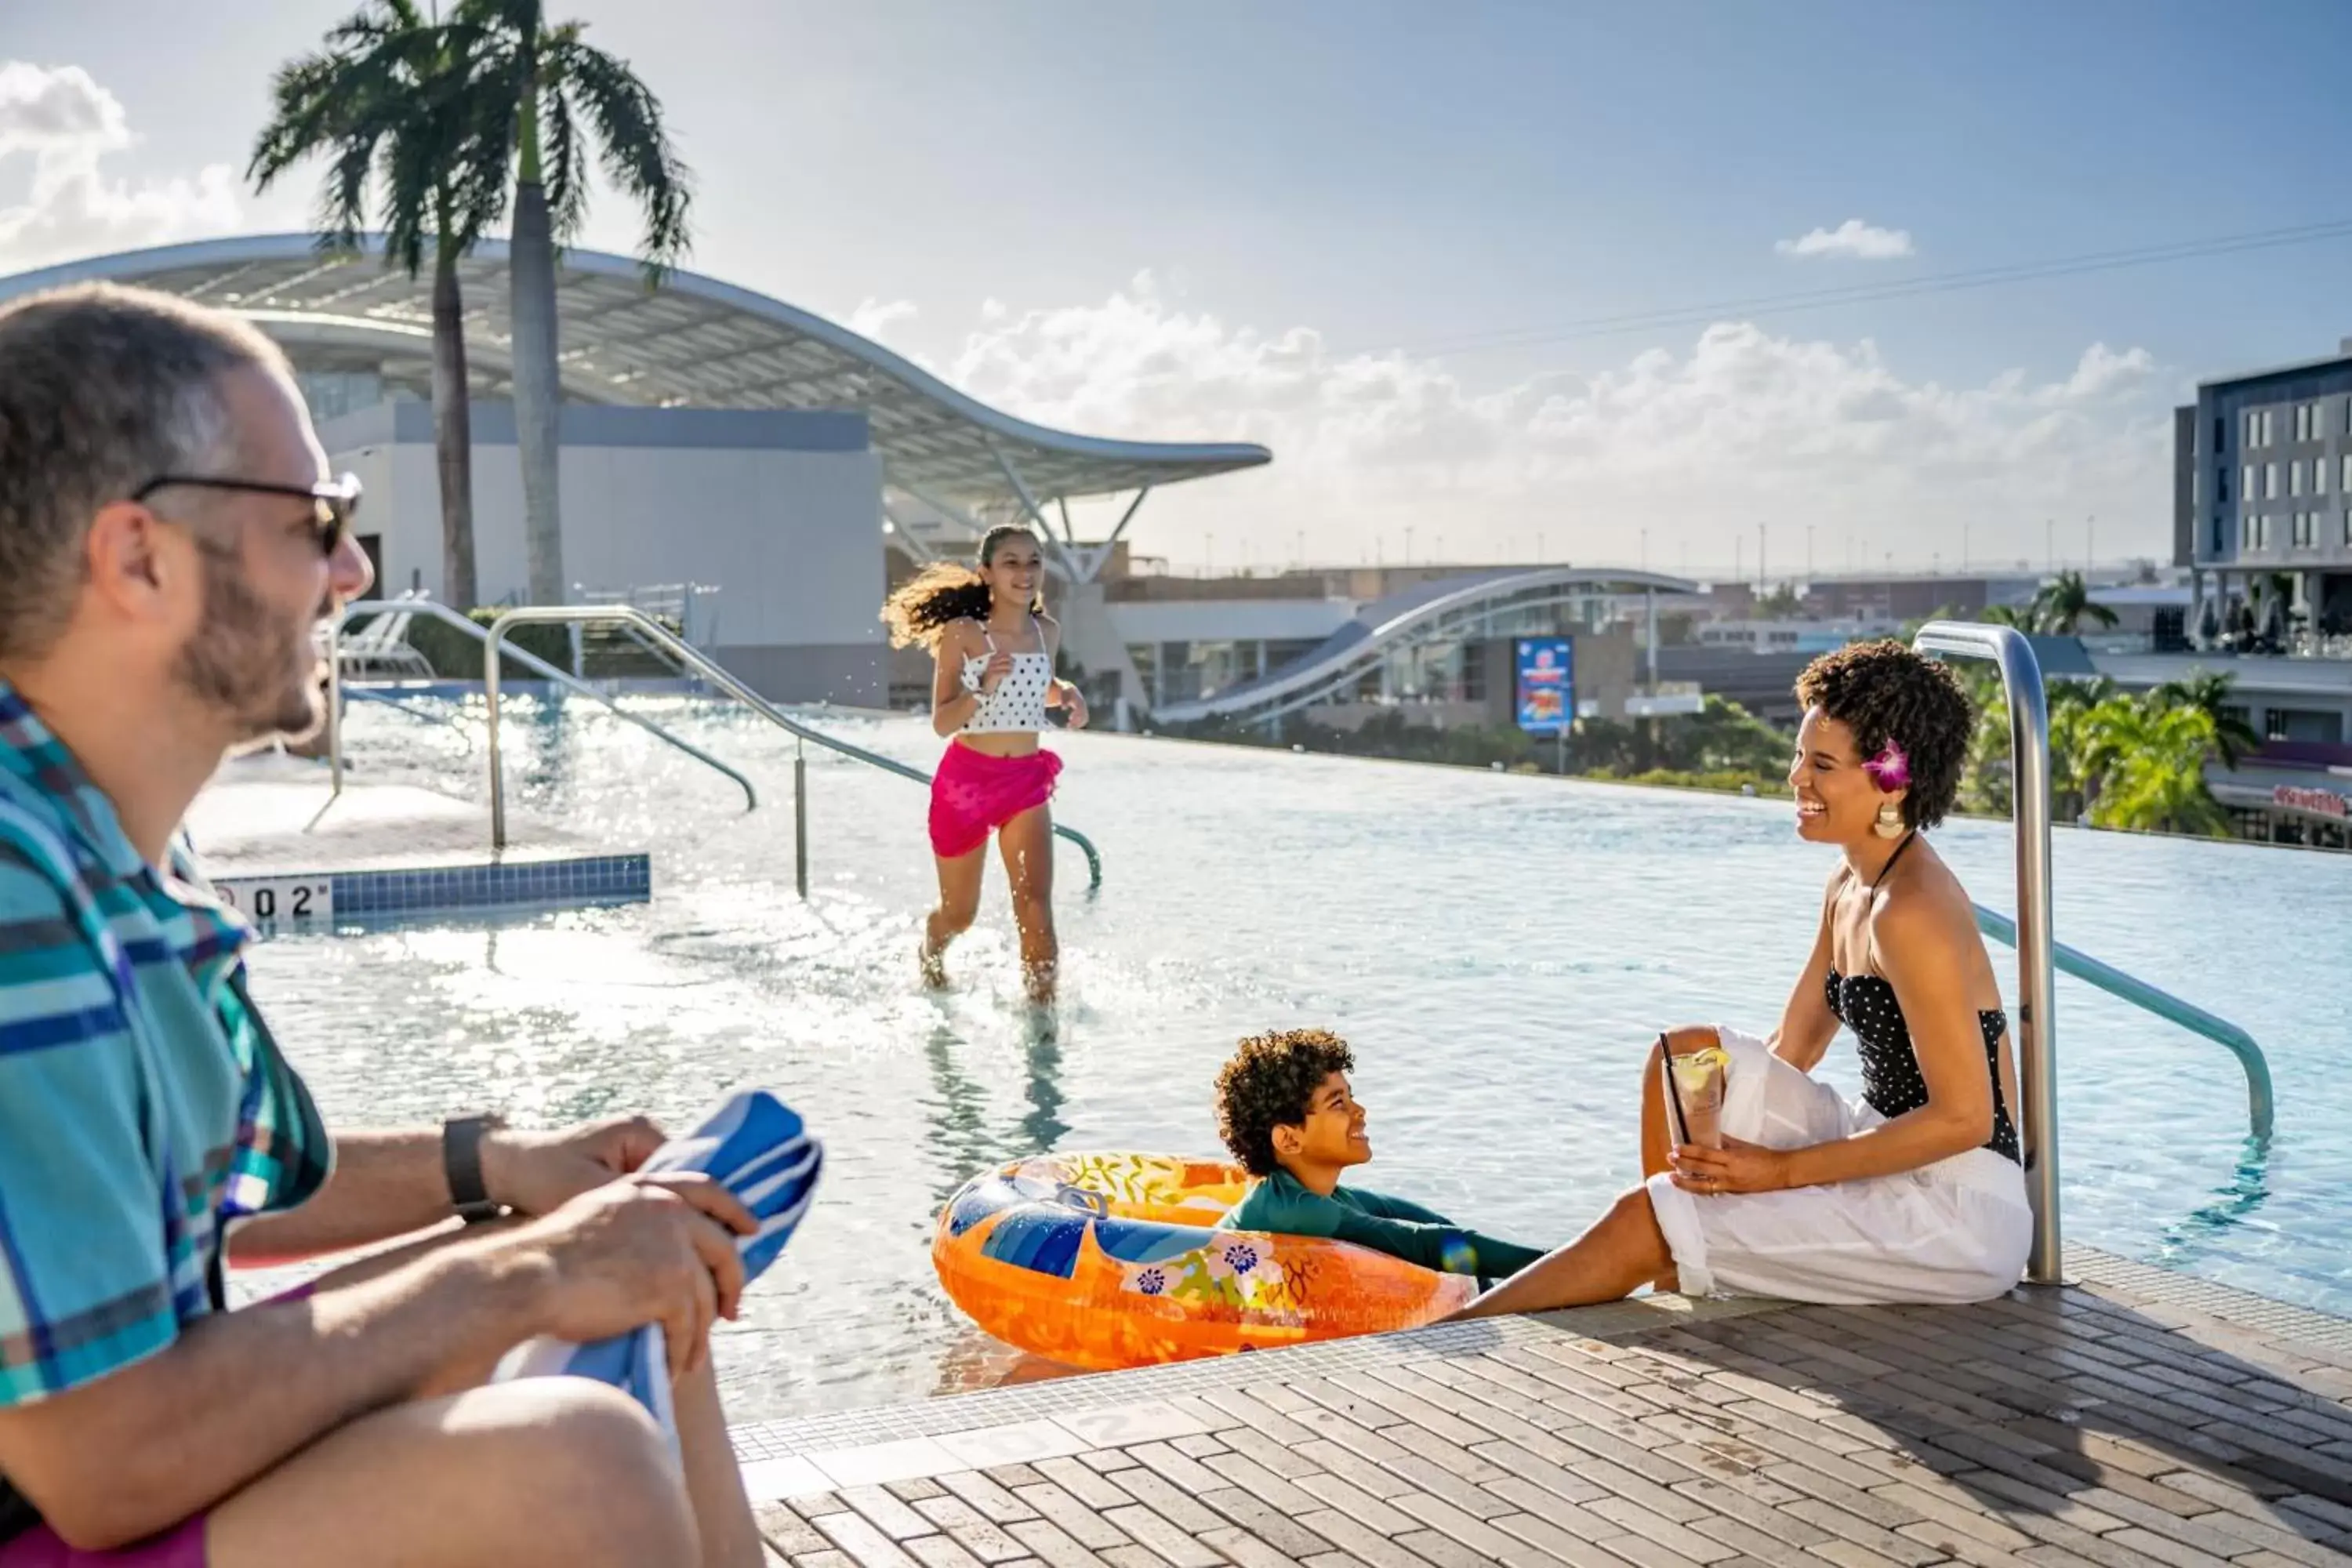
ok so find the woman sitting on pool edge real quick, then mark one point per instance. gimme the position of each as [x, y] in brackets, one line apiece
[1913, 1193]
[1286, 1110]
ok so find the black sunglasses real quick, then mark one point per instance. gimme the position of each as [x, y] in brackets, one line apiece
[338, 498]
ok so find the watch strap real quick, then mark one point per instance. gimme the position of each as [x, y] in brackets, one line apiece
[461, 1162]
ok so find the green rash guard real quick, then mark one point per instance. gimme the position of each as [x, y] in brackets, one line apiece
[1280, 1206]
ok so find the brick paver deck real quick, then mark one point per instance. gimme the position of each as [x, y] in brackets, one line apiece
[2134, 1417]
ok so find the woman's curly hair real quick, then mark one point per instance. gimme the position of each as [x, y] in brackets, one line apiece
[1884, 691]
[947, 591]
[1269, 1083]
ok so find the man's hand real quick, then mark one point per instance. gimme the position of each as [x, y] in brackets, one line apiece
[651, 1249]
[536, 1174]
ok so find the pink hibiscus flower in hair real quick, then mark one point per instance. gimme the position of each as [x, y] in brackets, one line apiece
[1891, 768]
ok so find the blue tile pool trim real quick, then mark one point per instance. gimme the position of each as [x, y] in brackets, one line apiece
[581, 881]
[588, 879]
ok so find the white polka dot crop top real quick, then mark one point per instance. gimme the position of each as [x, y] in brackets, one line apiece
[1018, 704]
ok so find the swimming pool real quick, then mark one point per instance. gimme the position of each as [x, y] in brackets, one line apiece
[1499, 950]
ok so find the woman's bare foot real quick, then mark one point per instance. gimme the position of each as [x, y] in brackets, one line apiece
[1038, 980]
[933, 962]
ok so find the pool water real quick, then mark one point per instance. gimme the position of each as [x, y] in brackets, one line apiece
[1499, 950]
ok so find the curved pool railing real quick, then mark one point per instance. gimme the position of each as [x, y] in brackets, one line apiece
[2037, 1041]
[524, 656]
[2165, 1005]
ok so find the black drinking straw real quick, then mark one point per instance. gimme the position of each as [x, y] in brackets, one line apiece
[1673, 1093]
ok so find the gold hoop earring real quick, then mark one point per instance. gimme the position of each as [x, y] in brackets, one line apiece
[1890, 823]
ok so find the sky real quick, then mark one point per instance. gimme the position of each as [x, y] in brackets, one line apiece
[1494, 279]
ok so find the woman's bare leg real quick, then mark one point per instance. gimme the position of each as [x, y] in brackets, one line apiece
[1623, 1251]
[959, 905]
[1027, 845]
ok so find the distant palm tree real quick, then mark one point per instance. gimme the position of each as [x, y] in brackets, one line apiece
[2064, 603]
[556, 90]
[2210, 694]
[2151, 760]
[392, 100]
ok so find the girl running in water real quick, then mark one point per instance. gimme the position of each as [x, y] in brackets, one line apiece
[993, 646]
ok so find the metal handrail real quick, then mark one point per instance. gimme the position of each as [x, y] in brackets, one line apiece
[718, 675]
[2165, 1005]
[2037, 1046]
[523, 657]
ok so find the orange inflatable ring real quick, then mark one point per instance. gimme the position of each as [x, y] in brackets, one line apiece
[1111, 1260]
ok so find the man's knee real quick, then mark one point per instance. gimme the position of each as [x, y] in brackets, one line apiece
[570, 1450]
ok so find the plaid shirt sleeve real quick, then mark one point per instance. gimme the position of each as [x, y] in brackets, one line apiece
[84, 1276]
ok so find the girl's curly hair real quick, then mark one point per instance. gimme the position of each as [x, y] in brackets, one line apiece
[1884, 691]
[1269, 1083]
[947, 591]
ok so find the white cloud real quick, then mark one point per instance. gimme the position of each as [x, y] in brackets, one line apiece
[68, 125]
[875, 319]
[1698, 443]
[1853, 239]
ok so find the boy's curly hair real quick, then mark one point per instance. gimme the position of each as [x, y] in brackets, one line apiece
[1268, 1084]
[1883, 690]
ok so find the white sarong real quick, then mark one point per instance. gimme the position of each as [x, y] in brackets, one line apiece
[1955, 1231]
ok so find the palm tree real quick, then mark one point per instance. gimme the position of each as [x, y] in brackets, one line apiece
[2064, 603]
[555, 89]
[391, 104]
[2210, 693]
[392, 100]
[2151, 759]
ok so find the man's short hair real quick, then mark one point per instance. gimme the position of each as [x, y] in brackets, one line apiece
[1270, 1082]
[102, 388]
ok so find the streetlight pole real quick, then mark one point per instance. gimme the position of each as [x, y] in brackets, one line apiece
[1761, 573]
[2050, 542]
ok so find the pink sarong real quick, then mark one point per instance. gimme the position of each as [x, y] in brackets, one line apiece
[974, 792]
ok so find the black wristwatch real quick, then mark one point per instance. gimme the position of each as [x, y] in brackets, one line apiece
[461, 1161]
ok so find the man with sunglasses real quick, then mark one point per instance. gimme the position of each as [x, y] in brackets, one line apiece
[168, 546]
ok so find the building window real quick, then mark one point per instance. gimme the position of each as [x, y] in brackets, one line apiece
[2221, 434]
[2319, 475]
[2246, 479]
[2253, 429]
[2306, 530]
[2270, 481]
[2295, 477]
[2345, 483]
[2218, 537]
[2302, 422]
[2221, 486]
[2269, 431]
[2348, 527]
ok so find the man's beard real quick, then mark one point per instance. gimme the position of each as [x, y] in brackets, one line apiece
[242, 660]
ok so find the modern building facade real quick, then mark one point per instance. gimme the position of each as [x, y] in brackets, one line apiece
[712, 437]
[2262, 494]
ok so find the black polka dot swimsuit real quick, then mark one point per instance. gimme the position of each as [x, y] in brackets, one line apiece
[1890, 1067]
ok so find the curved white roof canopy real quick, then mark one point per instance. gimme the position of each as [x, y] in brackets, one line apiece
[1449, 608]
[694, 342]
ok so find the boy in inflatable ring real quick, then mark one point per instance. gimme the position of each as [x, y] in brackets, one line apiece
[1287, 1111]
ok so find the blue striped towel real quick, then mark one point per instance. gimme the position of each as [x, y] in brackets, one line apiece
[756, 1145]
